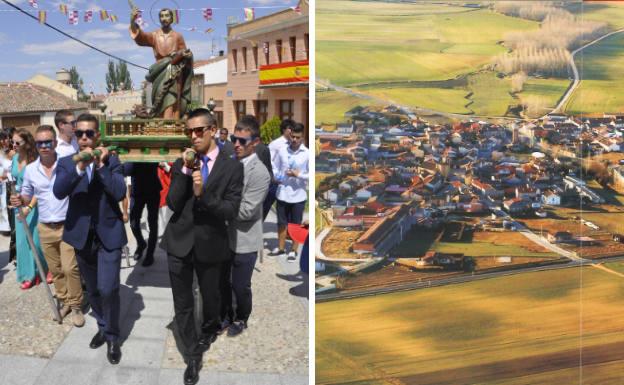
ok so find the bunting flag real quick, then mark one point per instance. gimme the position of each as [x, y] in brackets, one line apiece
[297, 9]
[88, 16]
[63, 9]
[113, 18]
[208, 14]
[176, 16]
[249, 14]
[209, 30]
[33, 3]
[73, 17]
[103, 15]
[42, 17]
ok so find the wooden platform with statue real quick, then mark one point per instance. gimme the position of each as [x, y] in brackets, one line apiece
[157, 133]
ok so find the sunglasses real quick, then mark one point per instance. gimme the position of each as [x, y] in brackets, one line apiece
[79, 133]
[242, 141]
[17, 143]
[73, 122]
[199, 131]
[44, 143]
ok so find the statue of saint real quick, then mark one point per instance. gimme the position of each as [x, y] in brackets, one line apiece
[172, 73]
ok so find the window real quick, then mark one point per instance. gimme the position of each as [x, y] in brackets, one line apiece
[278, 47]
[262, 111]
[234, 62]
[240, 108]
[293, 48]
[266, 52]
[254, 52]
[286, 109]
[306, 41]
[244, 58]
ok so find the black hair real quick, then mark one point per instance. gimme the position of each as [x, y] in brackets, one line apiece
[204, 113]
[298, 127]
[286, 124]
[86, 117]
[248, 123]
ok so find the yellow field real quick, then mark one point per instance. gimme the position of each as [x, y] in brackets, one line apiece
[332, 105]
[526, 328]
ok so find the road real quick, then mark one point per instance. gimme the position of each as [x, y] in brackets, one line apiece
[575, 71]
[456, 280]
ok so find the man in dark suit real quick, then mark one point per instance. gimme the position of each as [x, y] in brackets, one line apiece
[203, 195]
[145, 191]
[225, 146]
[94, 227]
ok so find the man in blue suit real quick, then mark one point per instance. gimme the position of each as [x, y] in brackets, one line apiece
[94, 227]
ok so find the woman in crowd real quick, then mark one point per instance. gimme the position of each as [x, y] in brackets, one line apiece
[5, 168]
[26, 152]
[6, 145]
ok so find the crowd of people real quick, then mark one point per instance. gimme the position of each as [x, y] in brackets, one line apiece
[73, 195]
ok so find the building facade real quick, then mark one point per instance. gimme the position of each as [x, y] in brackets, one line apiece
[268, 68]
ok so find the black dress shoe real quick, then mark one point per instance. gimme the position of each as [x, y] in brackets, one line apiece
[97, 340]
[236, 328]
[191, 374]
[138, 253]
[206, 340]
[113, 352]
[148, 261]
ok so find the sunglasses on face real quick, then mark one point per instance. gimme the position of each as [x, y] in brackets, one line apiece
[73, 122]
[79, 133]
[242, 141]
[44, 143]
[199, 131]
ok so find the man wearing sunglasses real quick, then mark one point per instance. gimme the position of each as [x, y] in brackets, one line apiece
[67, 143]
[245, 231]
[205, 192]
[94, 227]
[39, 178]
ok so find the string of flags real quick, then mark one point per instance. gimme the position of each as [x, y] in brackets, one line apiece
[249, 14]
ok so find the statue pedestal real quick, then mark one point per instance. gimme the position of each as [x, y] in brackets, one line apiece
[145, 140]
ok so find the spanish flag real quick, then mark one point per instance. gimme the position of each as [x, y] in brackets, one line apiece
[176, 16]
[103, 15]
[249, 14]
[63, 8]
[42, 17]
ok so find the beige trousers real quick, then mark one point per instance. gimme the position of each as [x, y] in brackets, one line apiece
[61, 259]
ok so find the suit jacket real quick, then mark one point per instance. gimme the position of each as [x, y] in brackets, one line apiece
[200, 222]
[264, 154]
[227, 149]
[245, 230]
[92, 205]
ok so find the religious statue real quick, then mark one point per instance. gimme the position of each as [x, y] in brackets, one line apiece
[172, 73]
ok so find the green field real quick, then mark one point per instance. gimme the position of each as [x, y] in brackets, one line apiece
[332, 105]
[601, 68]
[610, 12]
[364, 42]
[548, 90]
[440, 99]
[521, 329]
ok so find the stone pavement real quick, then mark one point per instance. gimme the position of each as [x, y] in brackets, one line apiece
[273, 350]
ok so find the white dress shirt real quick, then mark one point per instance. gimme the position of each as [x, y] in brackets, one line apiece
[36, 183]
[64, 149]
[274, 148]
[292, 189]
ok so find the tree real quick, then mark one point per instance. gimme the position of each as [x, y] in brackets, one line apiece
[77, 83]
[118, 77]
[270, 130]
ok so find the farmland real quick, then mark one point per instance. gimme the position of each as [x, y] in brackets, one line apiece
[331, 106]
[520, 329]
[601, 71]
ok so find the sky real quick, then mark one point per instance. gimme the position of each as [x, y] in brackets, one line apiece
[29, 48]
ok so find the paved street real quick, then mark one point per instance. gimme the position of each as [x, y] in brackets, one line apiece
[274, 350]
